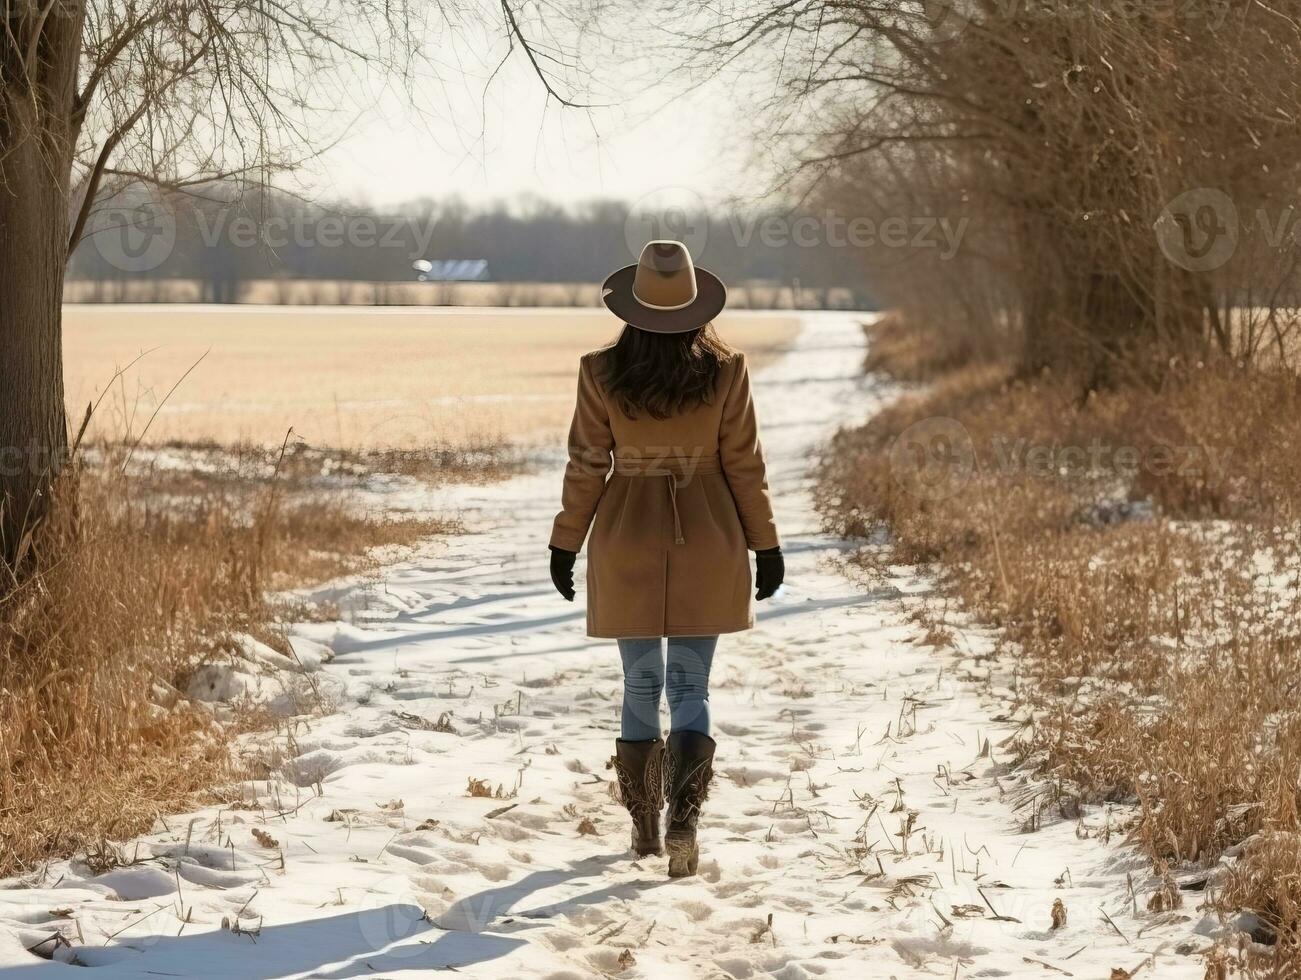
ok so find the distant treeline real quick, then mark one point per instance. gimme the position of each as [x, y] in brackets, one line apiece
[224, 239]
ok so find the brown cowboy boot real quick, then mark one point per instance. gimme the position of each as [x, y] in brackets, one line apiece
[689, 770]
[639, 767]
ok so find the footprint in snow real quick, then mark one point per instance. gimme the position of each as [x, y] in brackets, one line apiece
[732, 729]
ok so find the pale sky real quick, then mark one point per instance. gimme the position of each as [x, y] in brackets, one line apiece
[482, 140]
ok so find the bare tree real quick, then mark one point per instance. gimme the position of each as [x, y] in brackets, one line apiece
[1062, 131]
[98, 96]
[39, 60]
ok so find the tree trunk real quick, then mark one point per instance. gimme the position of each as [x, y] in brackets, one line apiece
[33, 431]
[36, 147]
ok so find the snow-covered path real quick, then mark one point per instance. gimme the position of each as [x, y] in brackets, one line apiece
[860, 823]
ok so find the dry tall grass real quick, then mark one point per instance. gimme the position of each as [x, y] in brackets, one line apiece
[146, 572]
[1139, 550]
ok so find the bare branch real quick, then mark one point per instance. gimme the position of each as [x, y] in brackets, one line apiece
[518, 34]
[34, 42]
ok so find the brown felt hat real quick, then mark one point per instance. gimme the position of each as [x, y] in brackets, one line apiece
[664, 292]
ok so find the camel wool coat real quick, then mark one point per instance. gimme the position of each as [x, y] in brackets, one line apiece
[672, 505]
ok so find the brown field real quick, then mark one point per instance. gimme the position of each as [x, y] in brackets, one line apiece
[346, 377]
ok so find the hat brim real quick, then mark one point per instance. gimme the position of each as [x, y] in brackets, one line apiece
[711, 297]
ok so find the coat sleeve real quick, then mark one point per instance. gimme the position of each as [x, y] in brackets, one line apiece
[590, 444]
[743, 465]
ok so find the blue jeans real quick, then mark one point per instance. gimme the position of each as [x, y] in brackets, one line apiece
[644, 665]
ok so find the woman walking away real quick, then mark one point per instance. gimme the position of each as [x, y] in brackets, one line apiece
[667, 408]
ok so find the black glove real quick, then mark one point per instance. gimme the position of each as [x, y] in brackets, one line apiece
[562, 571]
[769, 572]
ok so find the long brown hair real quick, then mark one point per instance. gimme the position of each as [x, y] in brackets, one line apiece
[662, 374]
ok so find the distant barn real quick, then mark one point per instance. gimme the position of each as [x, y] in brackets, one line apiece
[451, 270]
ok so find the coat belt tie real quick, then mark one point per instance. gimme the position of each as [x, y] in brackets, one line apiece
[673, 503]
[677, 469]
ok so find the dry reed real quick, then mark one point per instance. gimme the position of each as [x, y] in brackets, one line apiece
[146, 571]
[1152, 608]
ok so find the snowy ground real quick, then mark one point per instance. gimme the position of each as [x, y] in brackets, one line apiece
[861, 824]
